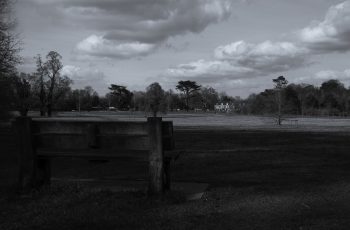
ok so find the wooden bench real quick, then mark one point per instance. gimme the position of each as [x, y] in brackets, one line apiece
[41, 140]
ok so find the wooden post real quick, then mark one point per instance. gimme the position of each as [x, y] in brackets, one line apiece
[43, 176]
[27, 157]
[156, 167]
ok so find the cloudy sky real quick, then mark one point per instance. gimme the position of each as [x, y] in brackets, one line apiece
[237, 46]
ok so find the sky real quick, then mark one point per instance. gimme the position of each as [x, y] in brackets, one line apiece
[236, 46]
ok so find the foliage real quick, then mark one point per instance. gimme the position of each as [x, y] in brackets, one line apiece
[120, 97]
[155, 99]
[210, 97]
[280, 84]
[188, 89]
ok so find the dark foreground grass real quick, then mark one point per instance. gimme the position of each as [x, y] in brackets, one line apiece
[258, 180]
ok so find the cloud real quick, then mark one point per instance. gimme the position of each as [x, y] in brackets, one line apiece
[265, 57]
[128, 26]
[101, 47]
[324, 75]
[241, 60]
[331, 34]
[86, 77]
[207, 71]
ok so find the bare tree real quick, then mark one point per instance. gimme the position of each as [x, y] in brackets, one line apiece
[49, 84]
[40, 84]
[22, 93]
[53, 67]
[9, 42]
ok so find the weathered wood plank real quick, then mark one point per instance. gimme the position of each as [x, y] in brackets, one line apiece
[156, 163]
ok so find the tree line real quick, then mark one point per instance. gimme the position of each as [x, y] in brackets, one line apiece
[46, 90]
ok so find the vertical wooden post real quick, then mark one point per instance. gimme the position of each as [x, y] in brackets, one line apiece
[27, 157]
[156, 167]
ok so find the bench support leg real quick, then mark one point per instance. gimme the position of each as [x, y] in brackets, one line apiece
[43, 172]
[33, 172]
[26, 155]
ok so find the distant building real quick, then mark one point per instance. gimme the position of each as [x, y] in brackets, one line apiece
[225, 108]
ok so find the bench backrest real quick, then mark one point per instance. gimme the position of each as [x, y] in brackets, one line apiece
[100, 135]
[90, 138]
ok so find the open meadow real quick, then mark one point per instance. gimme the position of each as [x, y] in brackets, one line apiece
[259, 176]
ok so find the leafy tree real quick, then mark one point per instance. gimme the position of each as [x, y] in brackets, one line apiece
[280, 85]
[209, 97]
[174, 101]
[292, 102]
[188, 89]
[155, 99]
[139, 100]
[120, 96]
[334, 96]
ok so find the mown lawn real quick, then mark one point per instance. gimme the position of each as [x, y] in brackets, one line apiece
[257, 180]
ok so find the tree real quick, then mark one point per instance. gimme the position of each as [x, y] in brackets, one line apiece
[53, 67]
[209, 97]
[9, 44]
[280, 84]
[50, 86]
[139, 102]
[155, 99]
[39, 84]
[174, 101]
[120, 96]
[292, 101]
[22, 93]
[9, 58]
[188, 88]
[334, 96]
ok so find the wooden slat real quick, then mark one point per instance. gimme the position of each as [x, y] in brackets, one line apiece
[68, 126]
[138, 155]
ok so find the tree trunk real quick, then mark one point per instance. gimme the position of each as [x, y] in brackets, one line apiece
[187, 102]
[279, 108]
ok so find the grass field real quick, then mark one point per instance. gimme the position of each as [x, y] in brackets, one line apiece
[260, 177]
